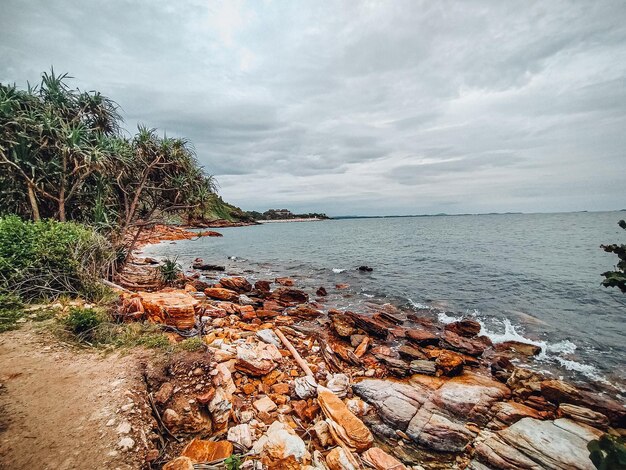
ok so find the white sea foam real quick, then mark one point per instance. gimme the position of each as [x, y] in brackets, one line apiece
[417, 305]
[444, 318]
[337, 270]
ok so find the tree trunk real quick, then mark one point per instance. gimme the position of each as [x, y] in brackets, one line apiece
[62, 204]
[33, 203]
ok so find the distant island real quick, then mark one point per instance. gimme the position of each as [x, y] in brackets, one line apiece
[273, 215]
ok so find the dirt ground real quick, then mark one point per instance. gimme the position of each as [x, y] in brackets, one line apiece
[62, 407]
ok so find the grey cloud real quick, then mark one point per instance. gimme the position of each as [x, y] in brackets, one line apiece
[358, 107]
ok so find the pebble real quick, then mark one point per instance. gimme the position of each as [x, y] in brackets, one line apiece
[124, 427]
[127, 407]
[126, 443]
[111, 422]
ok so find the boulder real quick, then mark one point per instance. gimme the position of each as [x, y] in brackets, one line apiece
[517, 347]
[289, 296]
[366, 269]
[173, 307]
[262, 286]
[257, 358]
[472, 346]
[238, 284]
[466, 328]
[221, 294]
[304, 311]
[370, 325]
[341, 323]
[558, 391]
[531, 444]
[279, 443]
[199, 451]
[201, 266]
[422, 337]
[321, 292]
[449, 363]
[584, 415]
[344, 426]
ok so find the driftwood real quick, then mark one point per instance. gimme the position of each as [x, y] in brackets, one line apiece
[303, 365]
[115, 286]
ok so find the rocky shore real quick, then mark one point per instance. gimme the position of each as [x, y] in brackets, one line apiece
[287, 382]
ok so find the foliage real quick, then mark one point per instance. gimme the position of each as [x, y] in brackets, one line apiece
[616, 278]
[83, 322]
[10, 312]
[608, 452]
[233, 462]
[63, 156]
[48, 258]
[283, 214]
[127, 335]
[192, 344]
[170, 270]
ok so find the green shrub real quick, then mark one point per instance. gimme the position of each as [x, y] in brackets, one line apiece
[170, 270]
[10, 312]
[83, 322]
[608, 452]
[192, 344]
[126, 335]
[42, 260]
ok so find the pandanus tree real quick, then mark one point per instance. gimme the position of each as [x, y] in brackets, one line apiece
[62, 156]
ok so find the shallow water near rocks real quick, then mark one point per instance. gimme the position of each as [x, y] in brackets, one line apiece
[533, 278]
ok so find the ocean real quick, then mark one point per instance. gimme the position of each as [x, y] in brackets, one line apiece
[527, 277]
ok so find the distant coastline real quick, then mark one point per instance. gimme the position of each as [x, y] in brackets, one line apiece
[301, 219]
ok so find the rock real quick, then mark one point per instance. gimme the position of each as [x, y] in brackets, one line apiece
[471, 346]
[284, 281]
[264, 404]
[532, 444]
[221, 294]
[558, 391]
[341, 323]
[171, 418]
[126, 443]
[394, 365]
[290, 296]
[199, 451]
[422, 337]
[241, 434]
[280, 442]
[172, 307]
[518, 347]
[338, 459]
[432, 413]
[322, 431]
[411, 353]
[361, 349]
[584, 415]
[358, 406]
[269, 337]
[305, 387]
[124, 427]
[164, 393]
[262, 286]
[380, 460]
[423, 367]
[220, 408]
[238, 284]
[449, 363]
[339, 384]
[321, 292]
[465, 328]
[365, 269]
[304, 311]
[257, 358]
[344, 425]
[207, 267]
[373, 327]
[179, 463]
[245, 300]
[508, 412]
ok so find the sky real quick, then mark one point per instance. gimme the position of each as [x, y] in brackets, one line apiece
[358, 107]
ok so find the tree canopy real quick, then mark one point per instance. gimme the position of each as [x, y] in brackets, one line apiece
[63, 156]
[616, 278]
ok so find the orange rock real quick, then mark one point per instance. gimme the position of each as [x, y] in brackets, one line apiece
[342, 286]
[281, 388]
[172, 307]
[344, 425]
[237, 284]
[180, 463]
[207, 451]
[362, 348]
[284, 281]
[249, 388]
[381, 460]
[221, 294]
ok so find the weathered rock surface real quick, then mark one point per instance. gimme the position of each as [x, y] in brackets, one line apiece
[237, 284]
[422, 337]
[343, 424]
[517, 347]
[172, 307]
[381, 460]
[472, 346]
[221, 294]
[531, 444]
[257, 358]
[290, 296]
[466, 328]
[206, 451]
[584, 415]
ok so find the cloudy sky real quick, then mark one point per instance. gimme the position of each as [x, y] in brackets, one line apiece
[369, 107]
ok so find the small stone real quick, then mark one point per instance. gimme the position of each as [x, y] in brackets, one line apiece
[265, 404]
[127, 407]
[126, 444]
[111, 422]
[123, 428]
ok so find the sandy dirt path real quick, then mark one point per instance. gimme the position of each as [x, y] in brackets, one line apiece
[67, 408]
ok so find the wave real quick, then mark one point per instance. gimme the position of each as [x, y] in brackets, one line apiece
[338, 270]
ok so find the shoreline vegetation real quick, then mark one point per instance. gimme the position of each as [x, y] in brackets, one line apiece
[263, 375]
